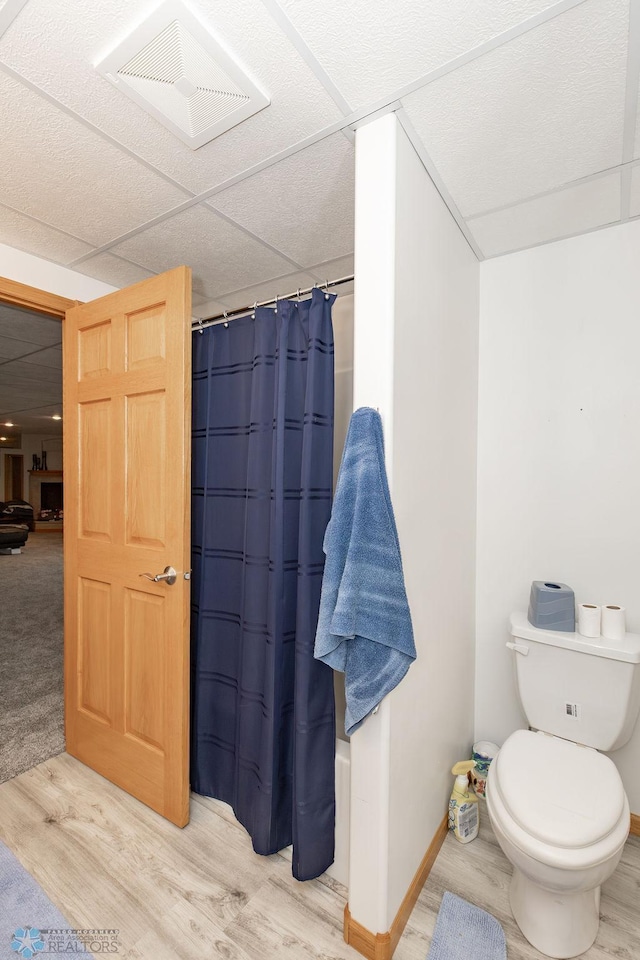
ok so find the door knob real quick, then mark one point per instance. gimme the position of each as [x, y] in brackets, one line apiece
[169, 575]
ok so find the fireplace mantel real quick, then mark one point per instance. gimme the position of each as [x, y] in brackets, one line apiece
[36, 478]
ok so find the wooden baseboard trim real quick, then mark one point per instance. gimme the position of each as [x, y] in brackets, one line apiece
[418, 882]
[374, 946]
[381, 946]
[634, 829]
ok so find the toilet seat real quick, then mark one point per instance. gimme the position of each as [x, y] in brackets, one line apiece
[558, 802]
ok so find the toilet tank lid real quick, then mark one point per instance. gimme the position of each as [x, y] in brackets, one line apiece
[627, 649]
[561, 793]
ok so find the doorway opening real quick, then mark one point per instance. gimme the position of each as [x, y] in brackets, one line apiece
[31, 531]
[13, 476]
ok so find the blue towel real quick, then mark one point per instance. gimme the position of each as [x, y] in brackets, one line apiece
[364, 625]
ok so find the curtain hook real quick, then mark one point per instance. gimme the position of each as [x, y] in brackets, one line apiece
[276, 303]
[201, 330]
[326, 289]
[298, 294]
[226, 322]
[255, 307]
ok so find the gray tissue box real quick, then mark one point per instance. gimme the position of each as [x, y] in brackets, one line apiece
[552, 606]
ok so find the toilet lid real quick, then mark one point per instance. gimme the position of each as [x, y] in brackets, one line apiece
[557, 791]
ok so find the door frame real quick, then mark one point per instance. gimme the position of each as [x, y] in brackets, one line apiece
[39, 301]
[8, 480]
[31, 298]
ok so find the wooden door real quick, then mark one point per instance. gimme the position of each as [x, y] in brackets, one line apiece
[13, 476]
[127, 413]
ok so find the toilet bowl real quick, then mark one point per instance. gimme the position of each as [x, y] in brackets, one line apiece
[561, 816]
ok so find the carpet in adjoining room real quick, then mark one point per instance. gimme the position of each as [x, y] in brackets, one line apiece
[31, 655]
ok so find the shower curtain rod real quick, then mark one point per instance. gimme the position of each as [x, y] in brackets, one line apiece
[201, 324]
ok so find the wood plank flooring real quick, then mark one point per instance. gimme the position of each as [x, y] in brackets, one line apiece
[105, 860]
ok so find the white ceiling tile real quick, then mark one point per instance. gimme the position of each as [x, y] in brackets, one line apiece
[204, 308]
[222, 256]
[634, 209]
[114, 270]
[198, 299]
[11, 349]
[32, 329]
[56, 169]
[534, 114]
[371, 50]
[561, 214]
[35, 237]
[333, 269]
[9, 9]
[56, 46]
[32, 372]
[303, 205]
[280, 286]
[51, 357]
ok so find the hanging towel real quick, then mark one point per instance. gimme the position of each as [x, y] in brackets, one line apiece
[364, 625]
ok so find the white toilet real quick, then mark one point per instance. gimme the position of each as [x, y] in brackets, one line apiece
[557, 805]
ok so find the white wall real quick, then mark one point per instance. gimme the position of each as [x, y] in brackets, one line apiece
[416, 328]
[559, 447]
[33, 443]
[45, 275]
[343, 408]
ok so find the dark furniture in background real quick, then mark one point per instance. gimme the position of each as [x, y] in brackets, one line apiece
[17, 512]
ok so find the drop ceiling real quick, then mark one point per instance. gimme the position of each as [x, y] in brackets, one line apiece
[524, 112]
[30, 373]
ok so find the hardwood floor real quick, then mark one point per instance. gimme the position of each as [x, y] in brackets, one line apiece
[106, 860]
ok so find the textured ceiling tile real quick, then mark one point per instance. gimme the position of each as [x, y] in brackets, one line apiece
[56, 45]
[560, 214]
[204, 308]
[51, 357]
[333, 269]
[276, 286]
[303, 205]
[11, 349]
[33, 375]
[38, 238]
[222, 257]
[635, 192]
[56, 169]
[32, 329]
[371, 50]
[538, 112]
[37, 420]
[113, 270]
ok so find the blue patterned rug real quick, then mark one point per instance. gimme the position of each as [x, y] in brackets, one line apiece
[464, 932]
[30, 925]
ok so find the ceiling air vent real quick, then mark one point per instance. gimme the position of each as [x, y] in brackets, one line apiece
[175, 68]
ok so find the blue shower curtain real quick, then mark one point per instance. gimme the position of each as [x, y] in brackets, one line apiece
[263, 719]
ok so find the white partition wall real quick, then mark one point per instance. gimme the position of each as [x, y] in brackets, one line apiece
[416, 329]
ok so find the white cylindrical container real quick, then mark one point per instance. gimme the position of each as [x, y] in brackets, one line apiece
[589, 620]
[613, 622]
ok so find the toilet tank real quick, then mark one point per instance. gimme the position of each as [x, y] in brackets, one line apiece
[579, 689]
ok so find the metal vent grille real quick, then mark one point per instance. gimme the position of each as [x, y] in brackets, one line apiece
[177, 70]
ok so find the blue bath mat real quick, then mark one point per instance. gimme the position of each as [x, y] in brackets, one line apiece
[30, 925]
[463, 932]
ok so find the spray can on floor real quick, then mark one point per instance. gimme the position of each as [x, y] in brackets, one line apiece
[464, 817]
